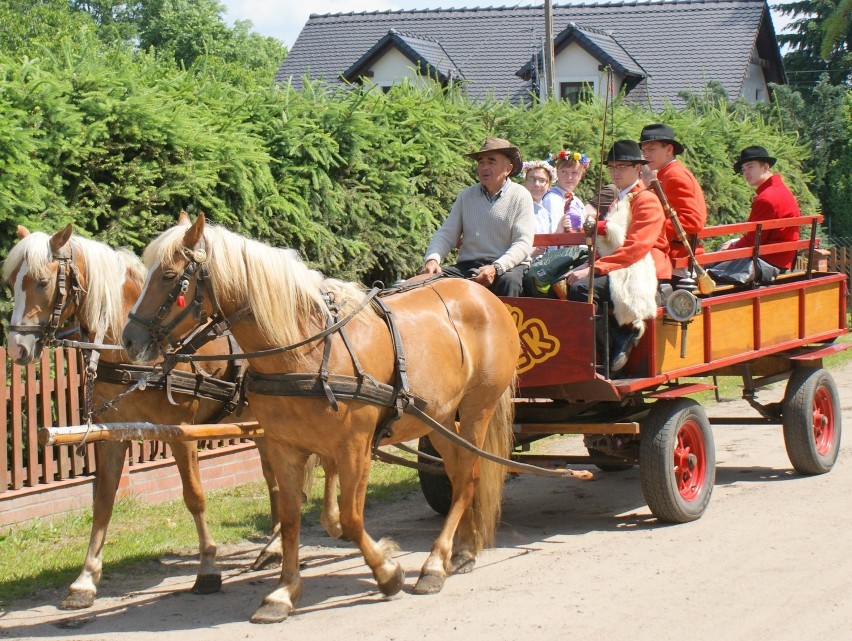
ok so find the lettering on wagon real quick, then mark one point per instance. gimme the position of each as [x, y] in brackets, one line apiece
[537, 344]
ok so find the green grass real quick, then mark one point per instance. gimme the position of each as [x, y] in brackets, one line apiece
[49, 553]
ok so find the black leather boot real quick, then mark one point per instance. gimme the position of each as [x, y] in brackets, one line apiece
[626, 338]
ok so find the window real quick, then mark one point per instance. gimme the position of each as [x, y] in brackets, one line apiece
[573, 92]
[385, 88]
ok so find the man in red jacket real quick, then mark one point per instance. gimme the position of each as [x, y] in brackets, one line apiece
[682, 190]
[772, 200]
[632, 250]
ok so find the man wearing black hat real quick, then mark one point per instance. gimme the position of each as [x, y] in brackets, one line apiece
[772, 200]
[495, 222]
[632, 250]
[682, 190]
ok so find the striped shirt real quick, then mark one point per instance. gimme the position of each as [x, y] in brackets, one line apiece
[499, 229]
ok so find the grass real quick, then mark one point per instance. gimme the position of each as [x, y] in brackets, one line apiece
[49, 553]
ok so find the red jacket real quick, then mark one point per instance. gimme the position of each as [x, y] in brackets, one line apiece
[773, 200]
[645, 233]
[687, 199]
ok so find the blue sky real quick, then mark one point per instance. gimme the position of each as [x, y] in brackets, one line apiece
[284, 19]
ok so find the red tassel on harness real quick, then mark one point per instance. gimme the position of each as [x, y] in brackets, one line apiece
[181, 300]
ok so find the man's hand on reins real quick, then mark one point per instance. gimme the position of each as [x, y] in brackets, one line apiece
[431, 267]
[485, 275]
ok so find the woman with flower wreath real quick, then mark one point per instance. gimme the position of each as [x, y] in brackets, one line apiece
[563, 204]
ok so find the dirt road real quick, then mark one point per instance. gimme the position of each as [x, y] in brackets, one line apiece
[770, 560]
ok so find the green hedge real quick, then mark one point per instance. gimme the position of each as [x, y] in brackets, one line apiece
[119, 141]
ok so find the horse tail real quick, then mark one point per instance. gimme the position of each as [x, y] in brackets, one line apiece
[488, 496]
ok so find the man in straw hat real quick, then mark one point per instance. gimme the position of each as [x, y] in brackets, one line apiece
[494, 221]
[632, 253]
[660, 149]
[772, 200]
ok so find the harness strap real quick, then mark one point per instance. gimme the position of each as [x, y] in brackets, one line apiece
[351, 388]
[323, 372]
[213, 389]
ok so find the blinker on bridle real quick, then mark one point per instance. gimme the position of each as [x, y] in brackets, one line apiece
[67, 290]
[196, 266]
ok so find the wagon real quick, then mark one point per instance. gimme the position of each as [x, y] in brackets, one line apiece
[645, 416]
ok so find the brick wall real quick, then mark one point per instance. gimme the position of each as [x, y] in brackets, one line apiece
[153, 482]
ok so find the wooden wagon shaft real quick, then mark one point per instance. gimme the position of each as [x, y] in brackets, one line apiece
[73, 434]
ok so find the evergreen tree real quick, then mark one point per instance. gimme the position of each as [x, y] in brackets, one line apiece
[813, 21]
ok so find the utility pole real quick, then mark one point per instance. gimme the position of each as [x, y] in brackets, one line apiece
[549, 81]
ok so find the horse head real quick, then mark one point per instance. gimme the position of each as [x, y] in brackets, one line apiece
[173, 300]
[47, 278]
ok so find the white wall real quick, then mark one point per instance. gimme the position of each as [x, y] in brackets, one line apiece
[575, 64]
[392, 68]
[754, 85]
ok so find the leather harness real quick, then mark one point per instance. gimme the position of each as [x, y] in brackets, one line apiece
[361, 387]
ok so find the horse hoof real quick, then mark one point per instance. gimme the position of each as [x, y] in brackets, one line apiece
[207, 584]
[429, 584]
[394, 585]
[271, 613]
[77, 601]
[334, 530]
[462, 564]
[266, 559]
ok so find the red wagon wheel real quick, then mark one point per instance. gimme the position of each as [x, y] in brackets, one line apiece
[677, 460]
[812, 422]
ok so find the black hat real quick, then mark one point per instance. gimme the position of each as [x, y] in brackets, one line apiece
[753, 153]
[660, 132]
[625, 151]
[504, 147]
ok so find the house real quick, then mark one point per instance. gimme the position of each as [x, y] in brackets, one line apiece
[656, 49]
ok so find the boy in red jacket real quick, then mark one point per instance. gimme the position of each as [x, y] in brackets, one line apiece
[682, 190]
[772, 200]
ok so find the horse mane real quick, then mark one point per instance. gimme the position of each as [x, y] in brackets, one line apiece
[283, 293]
[107, 270]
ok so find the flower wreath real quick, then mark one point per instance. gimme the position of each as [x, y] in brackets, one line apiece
[567, 154]
[540, 164]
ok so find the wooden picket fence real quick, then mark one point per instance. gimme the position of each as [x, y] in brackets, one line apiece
[48, 393]
[840, 260]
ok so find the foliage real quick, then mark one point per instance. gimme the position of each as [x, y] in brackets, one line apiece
[820, 42]
[117, 115]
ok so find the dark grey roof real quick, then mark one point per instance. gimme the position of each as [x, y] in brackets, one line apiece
[600, 44]
[426, 54]
[679, 45]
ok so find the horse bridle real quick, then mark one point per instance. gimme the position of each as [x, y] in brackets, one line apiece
[196, 266]
[67, 290]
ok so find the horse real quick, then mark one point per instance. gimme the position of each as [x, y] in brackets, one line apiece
[461, 349]
[100, 286]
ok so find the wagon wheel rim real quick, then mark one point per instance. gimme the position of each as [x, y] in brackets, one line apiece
[690, 461]
[823, 420]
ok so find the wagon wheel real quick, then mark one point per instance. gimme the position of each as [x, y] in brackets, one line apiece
[677, 460]
[435, 487]
[811, 418]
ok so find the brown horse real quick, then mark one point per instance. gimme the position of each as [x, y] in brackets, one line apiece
[103, 288]
[462, 348]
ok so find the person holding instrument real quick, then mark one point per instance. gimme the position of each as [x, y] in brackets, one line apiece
[632, 250]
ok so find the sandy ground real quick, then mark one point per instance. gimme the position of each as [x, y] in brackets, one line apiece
[770, 560]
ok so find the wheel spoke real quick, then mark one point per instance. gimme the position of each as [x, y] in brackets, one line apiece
[689, 462]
